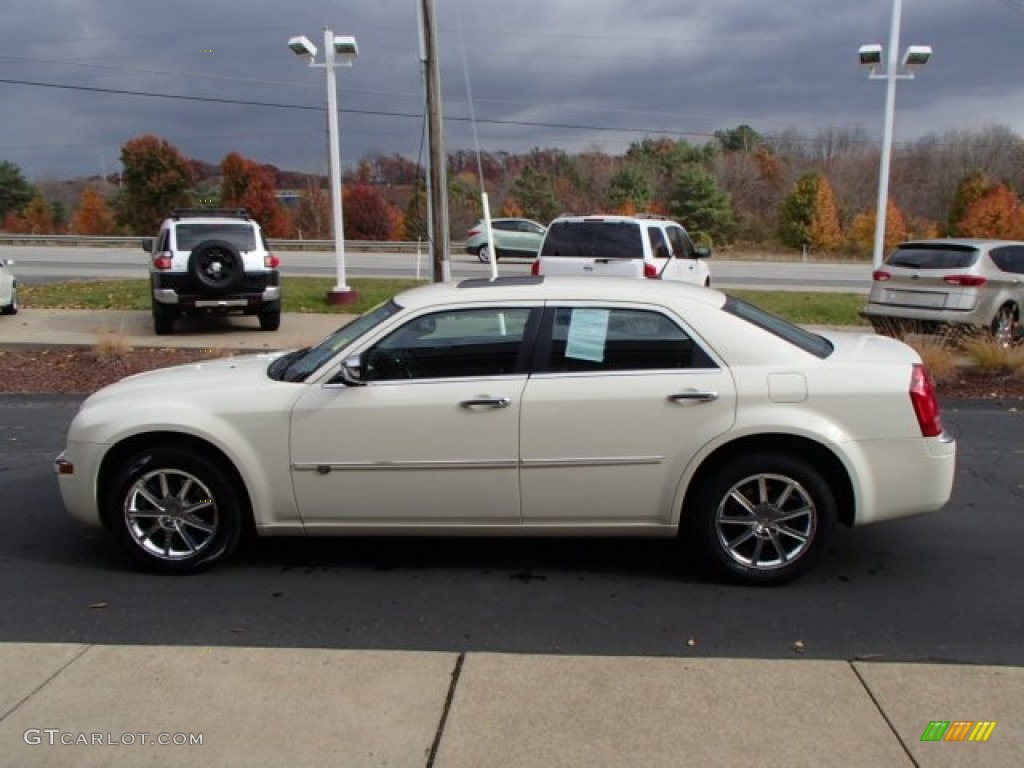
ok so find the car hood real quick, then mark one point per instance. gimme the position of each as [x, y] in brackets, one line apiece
[194, 379]
[869, 348]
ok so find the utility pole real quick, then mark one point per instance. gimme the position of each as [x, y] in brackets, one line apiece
[438, 186]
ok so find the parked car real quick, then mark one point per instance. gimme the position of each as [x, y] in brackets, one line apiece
[8, 288]
[622, 246]
[513, 238]
[925, 285]
[523, 406]
[212, 261]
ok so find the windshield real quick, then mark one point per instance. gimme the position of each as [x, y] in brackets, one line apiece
[298, 365]
[798, 337]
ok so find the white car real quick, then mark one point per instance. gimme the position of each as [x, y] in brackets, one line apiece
[8, 289]
[523, 406]
[641, 246]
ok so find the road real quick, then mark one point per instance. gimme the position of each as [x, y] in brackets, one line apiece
[50, 263]
[944, 587]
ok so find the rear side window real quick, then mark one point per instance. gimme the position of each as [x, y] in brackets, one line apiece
[938, 256]
[242, 236]
[798, 337]
[1009, 258]
[594, 239]
[593, 339]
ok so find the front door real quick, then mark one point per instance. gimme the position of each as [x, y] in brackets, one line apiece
[433, 435]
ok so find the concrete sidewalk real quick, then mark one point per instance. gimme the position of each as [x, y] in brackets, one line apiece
[309, 707]
[85, 327]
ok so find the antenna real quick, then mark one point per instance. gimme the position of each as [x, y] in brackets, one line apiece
[485, 204]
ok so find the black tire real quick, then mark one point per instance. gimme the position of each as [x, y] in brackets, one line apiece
[749, 543]
[270, 320]
[217, 267]
[483, 254]
[1005, 329]
[163, 320]
[12, 308]
[173, 510]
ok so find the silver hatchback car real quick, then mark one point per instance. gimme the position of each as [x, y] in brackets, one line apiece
[926, 285]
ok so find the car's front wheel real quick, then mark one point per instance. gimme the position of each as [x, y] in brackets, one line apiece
[763, 518]
[12, 308]
[174, 510]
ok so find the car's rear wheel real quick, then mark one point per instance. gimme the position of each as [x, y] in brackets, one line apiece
[163, 320]
[483, 253]
[173, 510]
[762, 519]
[12, 308]
[270, 320]
[1005, 328]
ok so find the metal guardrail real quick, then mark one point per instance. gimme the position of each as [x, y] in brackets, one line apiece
[104, 241]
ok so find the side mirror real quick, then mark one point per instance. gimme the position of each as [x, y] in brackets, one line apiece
[351, 372]
[147, 244]
[702, 253]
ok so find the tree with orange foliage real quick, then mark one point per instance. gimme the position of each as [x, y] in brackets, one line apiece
[251, 186]
[862, 229]
[368, 216]
[93, 216]
[997, 213]
[36, 218]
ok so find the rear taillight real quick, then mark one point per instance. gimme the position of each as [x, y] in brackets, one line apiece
[966, 281]
[880, 276]
[535, 267]
[162, 261]
[472, 232]
[650, 270]
[926, 405]
[270, 261]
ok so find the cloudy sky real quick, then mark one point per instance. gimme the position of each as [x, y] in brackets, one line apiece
[80, 77]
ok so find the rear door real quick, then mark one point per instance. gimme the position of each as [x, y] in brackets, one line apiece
[620, 400]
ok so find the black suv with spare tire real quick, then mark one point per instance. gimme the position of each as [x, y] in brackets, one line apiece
[212, 261]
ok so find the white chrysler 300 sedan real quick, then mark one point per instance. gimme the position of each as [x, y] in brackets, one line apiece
[523, 406]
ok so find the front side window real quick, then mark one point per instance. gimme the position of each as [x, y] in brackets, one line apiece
[681, 243]
[452, 344]
[617, 339]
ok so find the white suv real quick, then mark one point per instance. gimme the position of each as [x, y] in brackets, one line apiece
[208, 260]
[622, 246]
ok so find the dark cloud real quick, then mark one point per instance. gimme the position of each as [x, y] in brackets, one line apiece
[574, 74]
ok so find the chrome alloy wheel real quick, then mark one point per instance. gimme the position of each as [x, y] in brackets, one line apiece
[170, 514]
[766, 521]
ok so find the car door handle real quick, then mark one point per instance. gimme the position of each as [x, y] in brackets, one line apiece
[486, 402]
[693, 396]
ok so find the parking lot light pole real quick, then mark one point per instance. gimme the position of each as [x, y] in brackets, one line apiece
[339, 51]
[871, 57]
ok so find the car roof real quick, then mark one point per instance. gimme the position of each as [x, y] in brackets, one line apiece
[967, 242]
[616, 217]
[545, 288]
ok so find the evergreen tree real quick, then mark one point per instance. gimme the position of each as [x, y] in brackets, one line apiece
[15, 191]
[701, 206]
